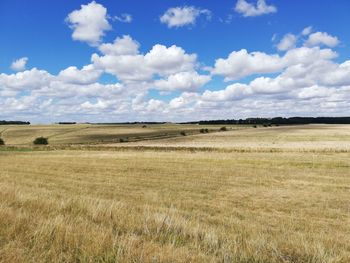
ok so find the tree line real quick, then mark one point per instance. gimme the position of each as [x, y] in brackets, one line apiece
[14, 122]
[253, 121]
[277, 121]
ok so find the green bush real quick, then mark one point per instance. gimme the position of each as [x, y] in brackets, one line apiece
[2, 142]
[255, 126]
[41, 141]
[183, 133]
[203, 130]
[223, 129]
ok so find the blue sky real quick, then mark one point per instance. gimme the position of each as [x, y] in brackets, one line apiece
[200, 81]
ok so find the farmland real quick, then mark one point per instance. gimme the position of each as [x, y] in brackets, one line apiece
[274, 194]
[97, 134]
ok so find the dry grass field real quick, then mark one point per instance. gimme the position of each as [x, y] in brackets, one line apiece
[252, 195]
[283, 137]
[97, 134]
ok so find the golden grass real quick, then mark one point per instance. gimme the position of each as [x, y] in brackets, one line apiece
[77, 206]
[177, 204]
[92, 134]
[283, 137]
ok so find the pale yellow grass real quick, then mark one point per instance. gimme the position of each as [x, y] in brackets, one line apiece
[87, 206]
[95, 134]
[335, 137]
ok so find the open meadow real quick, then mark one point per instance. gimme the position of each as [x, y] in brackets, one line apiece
[266, 194]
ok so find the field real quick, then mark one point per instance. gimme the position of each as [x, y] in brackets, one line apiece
[97, 134]
[275, 194]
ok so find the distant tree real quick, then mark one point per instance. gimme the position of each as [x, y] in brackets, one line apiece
[41, 141]
[67, 123]
[2, 142]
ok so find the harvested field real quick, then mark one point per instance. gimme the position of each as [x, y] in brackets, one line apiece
[187, 202]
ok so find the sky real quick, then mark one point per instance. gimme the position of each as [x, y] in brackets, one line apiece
[116, 61]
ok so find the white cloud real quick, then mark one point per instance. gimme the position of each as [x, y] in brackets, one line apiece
[321, 38]
[315, 92]
[123, 60]
[182, 81]
[336, 75]
[306, 80]
[87, 75]
[307, 56]
[26, 80]
[316, 86]
[240, 64]
[318, 78]
[124, 67]
[187, 99]
[121, 46]
[169, 60]
[100, 104]
[307, 31]
[231, 92]
[287, 42]
[19, 64]
[89, 23]
[124, 18]
[154, 105]
[248, 9]
[182, 16]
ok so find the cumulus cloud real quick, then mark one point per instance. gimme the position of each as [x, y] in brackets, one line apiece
[287, 42]
[123, 60]
[305, 79]
[19, 64]
[182, 81]
[124, 67]
[295, 91]
[185, 100]
[312, 79]
[260, 8]
[87, 75]
[322, 38]
[29, 79]
[154, 105]
[231, 92]
[121, 46]
[169, 60]
[124, 18]
[296, 81]
[290, 40]
[240, 64]
[89, 23]
[100, 104]
[182, 16]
